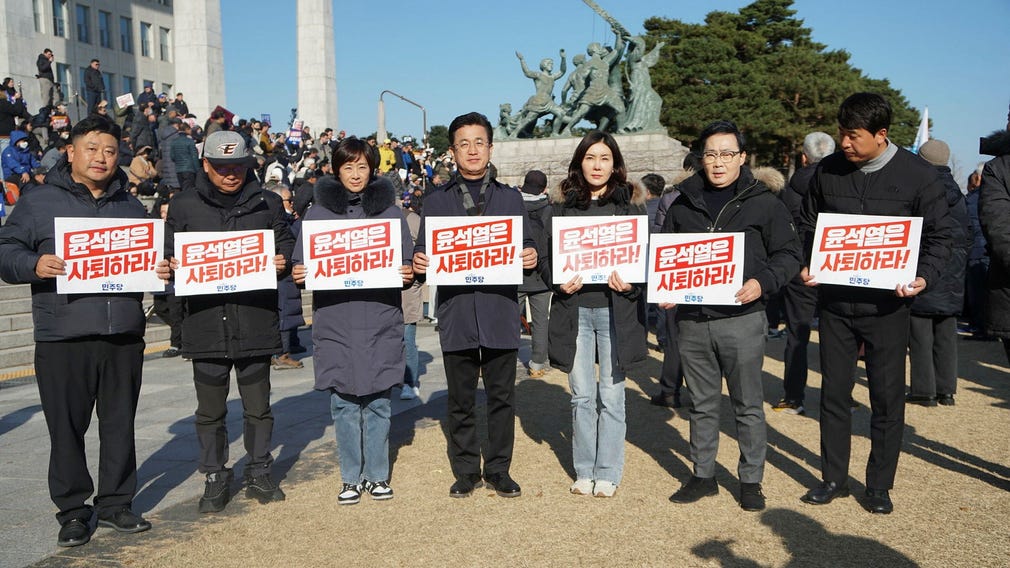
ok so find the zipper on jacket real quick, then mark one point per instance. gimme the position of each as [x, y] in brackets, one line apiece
[735, 197]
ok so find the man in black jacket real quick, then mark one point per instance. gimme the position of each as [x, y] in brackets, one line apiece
[47, 81]
[870, 176]
[94, 87]
[89, 347]
[231, 330]
[715, 340]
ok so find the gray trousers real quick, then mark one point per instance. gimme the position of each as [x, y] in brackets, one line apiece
[540, 307]
[733, 348]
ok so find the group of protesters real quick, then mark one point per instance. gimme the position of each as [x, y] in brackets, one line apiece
[89, 347]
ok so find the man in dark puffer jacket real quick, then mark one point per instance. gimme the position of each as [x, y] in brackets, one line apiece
[993, 213]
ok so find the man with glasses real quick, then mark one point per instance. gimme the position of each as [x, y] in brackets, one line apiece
[231, 330]
[478, 326]
[729, 340]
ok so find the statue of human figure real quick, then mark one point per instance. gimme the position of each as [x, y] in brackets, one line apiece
[598, 94]
[576, 80]
[644, 103]
[542, 102]
[506, 122]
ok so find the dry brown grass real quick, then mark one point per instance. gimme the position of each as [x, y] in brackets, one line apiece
[952, 496]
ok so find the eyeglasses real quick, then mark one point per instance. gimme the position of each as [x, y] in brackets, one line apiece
[477, 144]
[710, 157]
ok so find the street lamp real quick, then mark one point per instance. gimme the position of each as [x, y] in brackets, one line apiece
[381, 132]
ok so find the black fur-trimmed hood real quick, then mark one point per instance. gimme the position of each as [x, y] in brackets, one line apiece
[996, 144]
[629, 193]
[377, 196]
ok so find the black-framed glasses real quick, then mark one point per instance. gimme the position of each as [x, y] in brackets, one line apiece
[725, 156]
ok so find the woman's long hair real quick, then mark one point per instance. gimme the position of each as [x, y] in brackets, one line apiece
[575, 187]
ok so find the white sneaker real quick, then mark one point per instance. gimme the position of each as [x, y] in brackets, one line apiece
[407, 393]
[604, 489]
[417, 392]
[582, 487]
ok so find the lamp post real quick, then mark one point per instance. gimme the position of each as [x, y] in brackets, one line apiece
[380, 134]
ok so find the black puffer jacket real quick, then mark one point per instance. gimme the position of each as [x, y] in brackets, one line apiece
[771, 247]
[30, 233]
[242, 324]
[994, 214]
[945, 296]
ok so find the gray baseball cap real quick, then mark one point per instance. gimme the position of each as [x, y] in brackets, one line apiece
[227, 147]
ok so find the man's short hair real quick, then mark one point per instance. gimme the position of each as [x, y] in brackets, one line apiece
[722, 127]
[817, 145]
[95, 61]
[47, 50]
[654, 183]
[868, 111]
[95, 124]
[469, 119]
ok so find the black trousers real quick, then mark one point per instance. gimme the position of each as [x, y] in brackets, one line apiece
[671, 376]
[73, 377]
[498, 367]
[932, 355]
[886, 341]
[212, 378]
[800, 303]
[975, 278]
[169, 309]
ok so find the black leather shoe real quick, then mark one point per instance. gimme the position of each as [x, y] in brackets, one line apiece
[920, 399]
[751, 497]
[465, 484]
[945, 399]
[825, 493]
[878, 501]
[124, 521]
[666, 400]
[74, 532]
[695, 489]
[503, 485]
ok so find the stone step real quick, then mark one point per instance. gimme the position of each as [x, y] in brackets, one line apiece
[15, 339]
[14, 322]
[15, 291]
[17, 358]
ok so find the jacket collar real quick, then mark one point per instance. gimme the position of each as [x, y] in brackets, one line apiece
[997, 143]
[206, 190]
[377, 196]
[60, 177]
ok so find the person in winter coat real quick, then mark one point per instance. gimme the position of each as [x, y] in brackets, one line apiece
[231, 330]
[977, 271]
[289, 297]
[993, 213]
[89, 347]
[413, 311]
[932, 336]
[590, 319]
[141, 169]
[717, 341]
[167, 136]
[18, 160]
[357, 335]
[534, 289]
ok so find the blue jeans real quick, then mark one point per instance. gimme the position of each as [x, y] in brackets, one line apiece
[362, 424]
[598, 437]
[411, 372]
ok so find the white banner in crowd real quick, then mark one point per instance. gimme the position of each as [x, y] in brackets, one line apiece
[594, 247]
[123, 101]
[696, 268]
[218, 262]
[347, 254]
[869, 251]
[471, 251]
[109, 255]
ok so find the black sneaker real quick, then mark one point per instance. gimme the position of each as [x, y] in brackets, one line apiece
[263, 488]
[751, 497]
[216, 491]
[379, 490]
[695, 489]
[124, 521]
[503, 484]
[350, 494]
[920, 399]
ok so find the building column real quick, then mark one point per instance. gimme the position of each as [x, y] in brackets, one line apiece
[317, 68]
[199, 55]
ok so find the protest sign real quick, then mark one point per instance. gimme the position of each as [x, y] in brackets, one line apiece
[123, 101]
[224, 261]
[109, 255]
[695, 268]
[869, 251]
[474, 250]
[594, 247]
[350, 254]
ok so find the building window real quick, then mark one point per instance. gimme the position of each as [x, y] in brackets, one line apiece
[163, 46]
[108, 79]
[63, 77]
[60, 18]
[145, 39]
[166, 87]
[126, 34]
[129, 84]
[105, 29]
[37, 15]
[83, 24]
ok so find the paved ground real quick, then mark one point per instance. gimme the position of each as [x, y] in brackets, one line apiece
[166, 442]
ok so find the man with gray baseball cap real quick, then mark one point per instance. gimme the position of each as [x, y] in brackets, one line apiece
[231, 330]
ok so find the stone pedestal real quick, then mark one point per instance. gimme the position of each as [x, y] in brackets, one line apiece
[317, 68]
[643, 154]
[199, 55]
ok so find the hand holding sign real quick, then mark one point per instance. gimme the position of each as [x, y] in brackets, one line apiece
[298, 273]
[751, 291]
[50, 266]
[912, 289]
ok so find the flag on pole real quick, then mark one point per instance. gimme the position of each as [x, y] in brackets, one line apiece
[922, 136]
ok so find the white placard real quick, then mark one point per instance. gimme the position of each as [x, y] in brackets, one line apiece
[344, 254]
[109, 255]
[474, 251]
[219, 262]
[594, 247]
[123, 101]
[696, 268]
[867, 251]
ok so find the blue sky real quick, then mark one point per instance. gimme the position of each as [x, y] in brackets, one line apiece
[454, 56]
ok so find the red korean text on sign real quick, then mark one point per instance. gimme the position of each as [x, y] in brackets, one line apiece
[221, 250]
[469, 237]
[111, 240]
[616, 233]
[345, 241]
[892, 234]
[699, 253]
